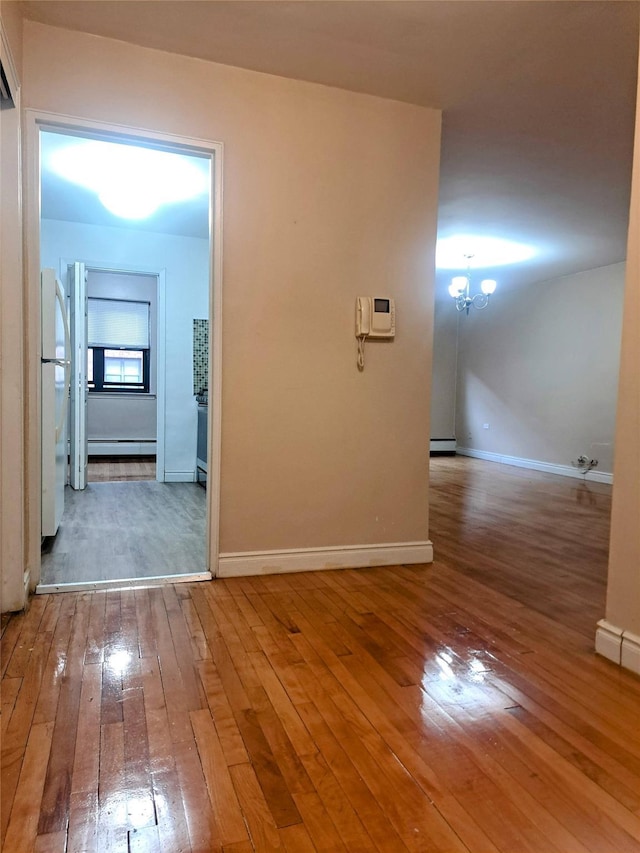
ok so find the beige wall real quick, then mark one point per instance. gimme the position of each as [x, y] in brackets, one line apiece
[12, 23]
[445, 360]
[623, 588]
[12, 530]
[540, 366]
[327, 195]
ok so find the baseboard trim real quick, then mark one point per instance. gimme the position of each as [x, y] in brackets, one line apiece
[125, 447]
[315, 559]
[442, 445]
[609, 641]
[179, 477]
[535, 465]
[617, 645]
[630, 652]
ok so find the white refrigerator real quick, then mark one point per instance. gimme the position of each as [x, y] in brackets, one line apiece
[55, 382]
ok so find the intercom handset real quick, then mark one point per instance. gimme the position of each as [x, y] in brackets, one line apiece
[375, 319]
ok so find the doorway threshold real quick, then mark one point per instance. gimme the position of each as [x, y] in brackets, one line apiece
[121, 583]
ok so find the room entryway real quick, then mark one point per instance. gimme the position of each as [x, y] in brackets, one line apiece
[122, 533]
[133, 507]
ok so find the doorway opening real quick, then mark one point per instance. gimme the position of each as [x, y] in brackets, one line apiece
[116, 422]
[139, 285]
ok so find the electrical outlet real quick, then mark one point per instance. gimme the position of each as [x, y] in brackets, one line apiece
[584, 464]
[485, 426]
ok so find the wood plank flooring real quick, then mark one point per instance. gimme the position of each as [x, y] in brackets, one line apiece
[390, 709]
[115, 531]
[539, 538]
[109, 469]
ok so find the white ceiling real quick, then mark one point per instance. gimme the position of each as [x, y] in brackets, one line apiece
[61, 199]
[538, 96]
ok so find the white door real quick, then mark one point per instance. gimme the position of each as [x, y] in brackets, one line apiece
[79, 383]
[55, 375]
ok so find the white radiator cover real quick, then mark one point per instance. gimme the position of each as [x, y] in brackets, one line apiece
[125, 447]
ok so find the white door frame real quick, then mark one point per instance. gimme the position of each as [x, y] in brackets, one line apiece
[77, 288]
[37, 120]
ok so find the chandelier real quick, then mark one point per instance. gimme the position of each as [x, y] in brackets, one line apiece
[460, 290]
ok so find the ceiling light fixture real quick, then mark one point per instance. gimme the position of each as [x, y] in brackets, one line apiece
[460, 290]
[131, 182]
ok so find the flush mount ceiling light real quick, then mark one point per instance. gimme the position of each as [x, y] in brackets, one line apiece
[131, 182]
[460, 290]
[468, 251]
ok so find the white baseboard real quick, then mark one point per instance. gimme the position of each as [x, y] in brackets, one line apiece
[442, 445]
[314, 559]
[630, 652]
[122, 448]
[535, 465]
[617, 645]
[179, 477]
[608, 641]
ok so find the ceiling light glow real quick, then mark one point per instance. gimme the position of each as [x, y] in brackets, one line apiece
[128, 202]
[466, 250]
[132, 183]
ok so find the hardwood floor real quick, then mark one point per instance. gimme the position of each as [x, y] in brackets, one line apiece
[406, 708]
[539, 538]
[109, 469]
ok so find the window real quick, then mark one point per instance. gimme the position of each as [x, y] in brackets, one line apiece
[118, 351]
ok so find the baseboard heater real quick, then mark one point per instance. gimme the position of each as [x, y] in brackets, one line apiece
[442, 447]
[122, 447]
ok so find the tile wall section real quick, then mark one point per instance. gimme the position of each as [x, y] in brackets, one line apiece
[200, 356]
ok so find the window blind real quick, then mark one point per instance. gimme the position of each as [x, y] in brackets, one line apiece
[118, 323]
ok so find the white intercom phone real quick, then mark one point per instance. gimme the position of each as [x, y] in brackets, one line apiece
[375, 318]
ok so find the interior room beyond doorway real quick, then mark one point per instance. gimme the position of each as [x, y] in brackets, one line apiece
[127, 531]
